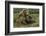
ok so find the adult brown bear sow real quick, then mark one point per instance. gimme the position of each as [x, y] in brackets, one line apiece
[24, 17]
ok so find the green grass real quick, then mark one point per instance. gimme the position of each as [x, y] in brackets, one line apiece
[35, 17]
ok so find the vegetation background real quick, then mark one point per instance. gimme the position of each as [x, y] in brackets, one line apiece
[34, 13]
